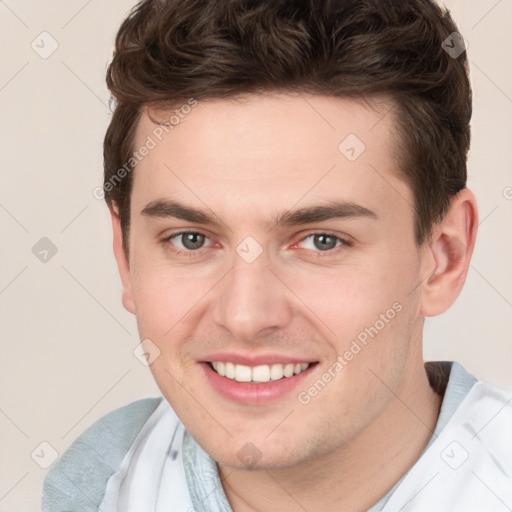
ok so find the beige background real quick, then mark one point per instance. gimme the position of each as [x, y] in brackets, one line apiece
[66, 341]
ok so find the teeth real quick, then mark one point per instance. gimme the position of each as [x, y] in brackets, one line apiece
[262, 373]
[230, 370]
[242, 373]
[288, 370]
[221, 368]
[276, 371]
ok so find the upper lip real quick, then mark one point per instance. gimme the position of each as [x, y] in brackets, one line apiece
[255, 359]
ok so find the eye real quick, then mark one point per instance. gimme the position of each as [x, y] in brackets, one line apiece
[323, 242]
[190, 243]
[187, 240]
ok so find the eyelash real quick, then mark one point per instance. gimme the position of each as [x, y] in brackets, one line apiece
[195, 253]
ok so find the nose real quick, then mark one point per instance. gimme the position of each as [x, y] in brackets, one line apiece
[251, 299]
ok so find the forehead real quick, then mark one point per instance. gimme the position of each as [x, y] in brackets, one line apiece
[271, 150]
[273, 121]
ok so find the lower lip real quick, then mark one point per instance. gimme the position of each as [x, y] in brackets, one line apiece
[254, 393]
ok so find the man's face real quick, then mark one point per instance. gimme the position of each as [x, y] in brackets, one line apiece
[267, 285]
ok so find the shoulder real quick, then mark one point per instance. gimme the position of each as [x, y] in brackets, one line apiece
[469, 455]
[477, 393]
[494, 401]
[481, 401]
[77, 480]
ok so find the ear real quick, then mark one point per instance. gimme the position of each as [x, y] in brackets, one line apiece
[122, 261]
[449, 252]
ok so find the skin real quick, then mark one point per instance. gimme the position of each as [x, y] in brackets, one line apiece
[247, 161]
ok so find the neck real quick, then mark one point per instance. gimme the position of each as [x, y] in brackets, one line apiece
[357, 474]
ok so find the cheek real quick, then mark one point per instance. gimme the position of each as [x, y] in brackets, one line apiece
[364, 310]
[340, 301]
[349, 299]
[157, 305]
[169, 307]
[164, 298]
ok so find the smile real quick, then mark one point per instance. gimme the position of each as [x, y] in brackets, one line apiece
[260, 373]
[256, 383]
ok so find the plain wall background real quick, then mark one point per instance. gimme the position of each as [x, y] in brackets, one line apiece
[67, 343]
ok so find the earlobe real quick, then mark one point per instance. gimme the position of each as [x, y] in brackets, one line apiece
[122, 261]
[451, 249]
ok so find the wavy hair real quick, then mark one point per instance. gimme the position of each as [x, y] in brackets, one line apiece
[169, 51]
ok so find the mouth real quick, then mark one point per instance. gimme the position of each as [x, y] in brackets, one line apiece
[258, 374]
[256, 383]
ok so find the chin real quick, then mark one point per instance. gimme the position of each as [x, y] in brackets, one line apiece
[251, 458]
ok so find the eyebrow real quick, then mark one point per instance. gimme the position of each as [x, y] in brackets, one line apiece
[163, 208]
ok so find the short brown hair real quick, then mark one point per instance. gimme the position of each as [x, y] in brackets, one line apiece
[169, 51]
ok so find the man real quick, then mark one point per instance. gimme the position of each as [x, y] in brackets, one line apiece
[287, 186]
